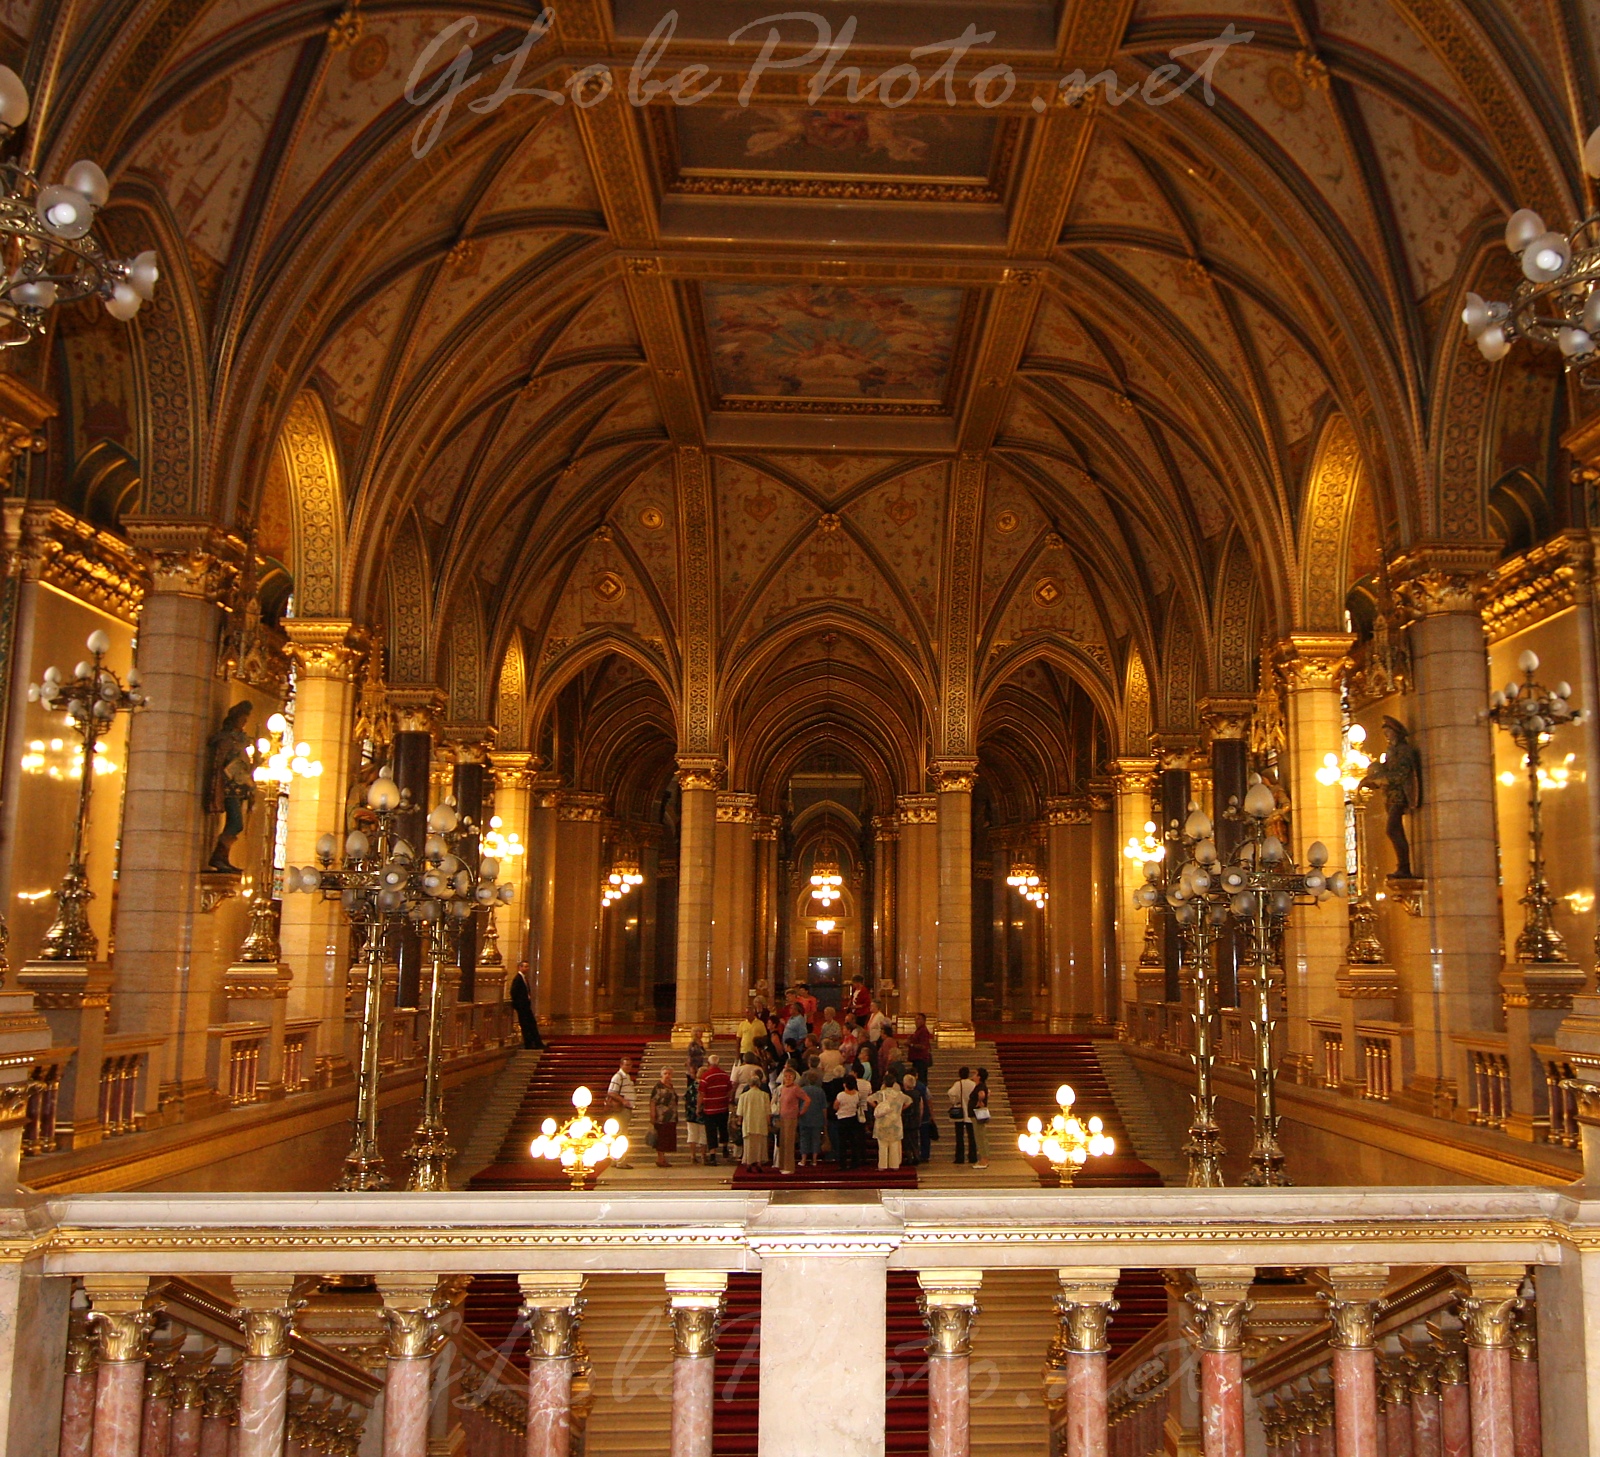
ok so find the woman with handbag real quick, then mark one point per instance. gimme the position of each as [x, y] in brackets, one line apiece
[978, 1108]
[664, 1118]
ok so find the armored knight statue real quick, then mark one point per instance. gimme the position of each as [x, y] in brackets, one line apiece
[230, 784]
[1398, 773]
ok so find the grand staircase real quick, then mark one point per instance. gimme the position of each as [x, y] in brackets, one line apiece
[567, 1063]
[737, 1408]
[906, 1354]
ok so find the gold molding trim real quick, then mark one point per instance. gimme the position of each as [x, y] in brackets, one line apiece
[1538, 583]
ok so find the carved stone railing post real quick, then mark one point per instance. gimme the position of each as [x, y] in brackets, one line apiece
[122, 1315]
[1079, 1356]
[1525, 1383]
[695, 1300]
[553, 1305]
[266, 1304]
[413, 1313]
[78, 1389]
[1488, 1310]
[1352, 1297]
[950, 1312]
[1221, 1299]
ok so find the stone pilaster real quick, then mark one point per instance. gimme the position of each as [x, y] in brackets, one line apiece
[1133, 780]
[697, 849]
[732, 908]
[569, 989]
[955, 778]
[917, 881]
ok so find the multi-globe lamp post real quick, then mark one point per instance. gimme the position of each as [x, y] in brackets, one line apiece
[1145, 851]
[1348, 769]
[91, 699]
[279, 762]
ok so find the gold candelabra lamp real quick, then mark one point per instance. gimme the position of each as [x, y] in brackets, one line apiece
[1348, 769]
[279, 762]
[1028, 883]
[1147, 850]
[506, 847]
[621, 879]
[1067, 1142]
[826, 881]
[582, 1145]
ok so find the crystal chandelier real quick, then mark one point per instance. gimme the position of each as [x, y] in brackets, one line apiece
[825, 877]
[622, 877]
[1558, 302]
[1028, 883]
[50, 254]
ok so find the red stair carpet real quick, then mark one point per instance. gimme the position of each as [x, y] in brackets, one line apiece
[736, 1411]
[1034, 1065]
[906, 1351]
[493, 1313]
[568, 1063]
[826, 1176]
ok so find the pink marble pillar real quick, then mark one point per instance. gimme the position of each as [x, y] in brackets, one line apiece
[1397, 1430]
[949, 1411]
[1080, 1357]
[949, 1308]
[157, 1435]
[214, 1434]
[406, 1391]
[1355, 1402]
[694, 1306]
[1526, 1422]
[119, 1409]
[1425, 1434]
[1220, 1299]
[263, 1406]
[1085, 1373]
[77, 1406]
[549, 1407]
[186, 1421]
[1488, 1311]
[1455, 1420]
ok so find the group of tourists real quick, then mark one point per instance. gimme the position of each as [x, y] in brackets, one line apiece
[808, 1083]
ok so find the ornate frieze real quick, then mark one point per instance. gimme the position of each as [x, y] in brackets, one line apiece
[325, 647]
[100, 569]
[1538, 583]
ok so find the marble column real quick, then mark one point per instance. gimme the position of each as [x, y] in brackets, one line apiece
[1525, 1415]
[1425, 1434]
[885, 898]
[1309, 665]
[1134, 779]
[769, 883]
[266, 1305]
[217, 1430]
[1453, 836]
[156, 1438]
[1352, 1298]
[513, 785]
[121, 1316]
[1075, 992]
[1076, 1365]
[695, 1301]
[569, 989]
[412, 1311]
[917, 874]
[544, 800]
[1394, 1391]
[78, 1389]
[955, 780]
[1487, 1312]
[553, 1306]
[732, 908]
[1221, 1299]
[1102, 873]
[188, 1411]
[823, 1378]
[166, 835]
[313, 933]
[1455, 1402]
[697, 790]
[949, 1303]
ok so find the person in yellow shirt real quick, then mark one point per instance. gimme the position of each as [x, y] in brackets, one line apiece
[751, 1031]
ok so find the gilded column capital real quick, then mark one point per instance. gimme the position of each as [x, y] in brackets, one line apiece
[553, 1307]
[220, 1385]
[917, 809]
[468, 743]
[1227, 716]
[512, 768]
[414, 1315]
[734, 807]
[416, 708]
[267, 1306]
[1134, 774]
[1524, 1334]
[769, 827]
[122, 1315]
[189, 1387]
[580, 805]
[1220, 1300]
[1449, 1353]
[1436, 579]
[82, 1351]
[695, 1302]
[1352, 1296]
[1073, 810]
[1488, 1304]
[1394, 1381]
[1084, 1308]
[186, 558]
[955, 776]
[1422, 1371]
[331, 648]
[699, 771]
[949, 1306]
[1308, 661]
[23, 414]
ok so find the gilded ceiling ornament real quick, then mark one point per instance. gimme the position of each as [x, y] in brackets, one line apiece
[1007, 520]
[652, 518]
[1047, 591]
[348, 28]
[609, 588]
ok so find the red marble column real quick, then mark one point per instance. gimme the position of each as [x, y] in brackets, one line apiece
[1526, 1422]
[1487, 1312]
[121, 1317]
[78, 1390]
[694, 1305]
[157, 1434]
[1352, 1297]
[1220, 1300]
[1425, 1433]
[266, 1306]
[1455, 1405]
[1394, 1387]
[1079, 1357]
[553, 1305]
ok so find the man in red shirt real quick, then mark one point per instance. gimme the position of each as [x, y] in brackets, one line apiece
[716, 1093]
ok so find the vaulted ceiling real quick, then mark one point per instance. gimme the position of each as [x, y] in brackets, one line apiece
[521, 314]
